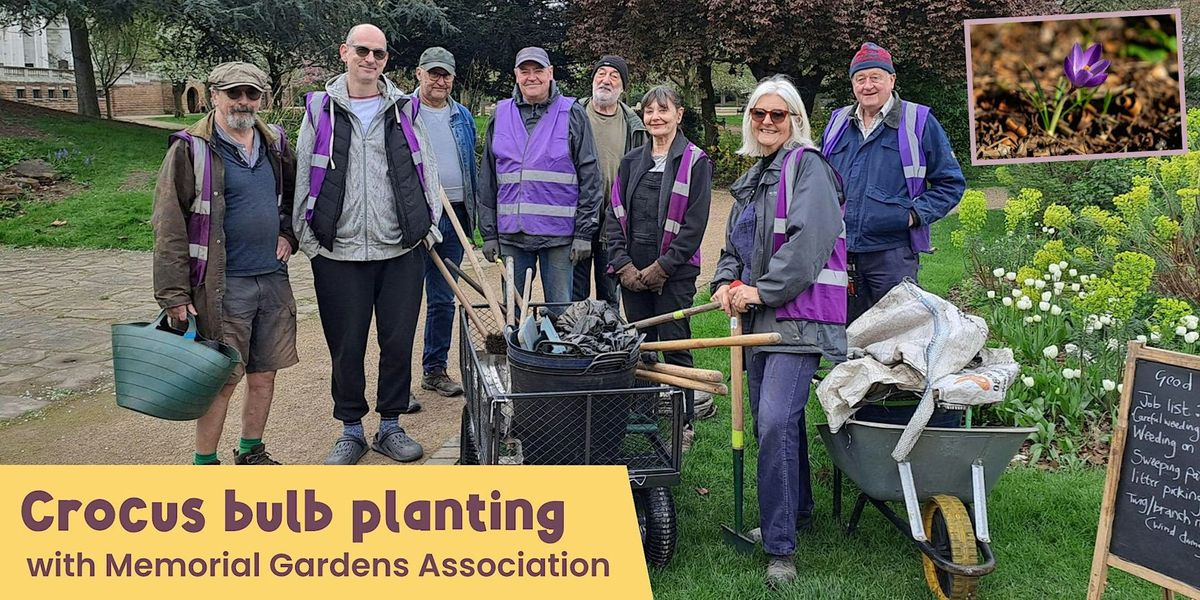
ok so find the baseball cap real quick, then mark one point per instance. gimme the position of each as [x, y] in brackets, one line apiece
[435, 57]
[232, 74]
[532, 53]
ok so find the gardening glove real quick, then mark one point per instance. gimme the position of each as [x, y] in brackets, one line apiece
[628, 275]
[491, 248]
[434, 237]
[581, 250]
[653, 277]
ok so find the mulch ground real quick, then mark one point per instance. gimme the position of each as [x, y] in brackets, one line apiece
[1143, 115]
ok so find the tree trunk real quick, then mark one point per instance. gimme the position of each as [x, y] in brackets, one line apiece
[85, 76]
[806, 84]
[708, 103]
[177, 90]
[108, 102]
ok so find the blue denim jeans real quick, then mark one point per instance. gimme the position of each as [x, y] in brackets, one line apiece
[439, 298]
[552, 265]
[779, 387]
[876, 273]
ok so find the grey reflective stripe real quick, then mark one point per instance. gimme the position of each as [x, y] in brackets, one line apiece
[508, 178]
[532, 175]
[831, 277]
[671, 226]
[619, 211]
[320, 161]
[839, 120]
[529, 208]
[199, 168]
[681, 188]
[198, 251]
[914, 145]
[416, 156]
[780, 226]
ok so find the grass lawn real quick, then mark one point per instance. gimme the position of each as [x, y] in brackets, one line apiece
[1043, 523]
[183, 121]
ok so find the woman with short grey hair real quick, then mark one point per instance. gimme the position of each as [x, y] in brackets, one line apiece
[783, 270]
[657, 218]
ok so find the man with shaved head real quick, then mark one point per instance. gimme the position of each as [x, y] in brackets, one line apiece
[366, 206]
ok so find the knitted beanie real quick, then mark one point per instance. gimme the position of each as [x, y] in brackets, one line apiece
[871, 56]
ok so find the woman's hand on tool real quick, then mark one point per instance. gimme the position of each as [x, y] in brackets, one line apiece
[743, 296]
[722, 296]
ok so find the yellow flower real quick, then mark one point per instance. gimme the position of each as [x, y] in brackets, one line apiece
[1057, 216]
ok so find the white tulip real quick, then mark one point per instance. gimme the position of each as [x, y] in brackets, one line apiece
[1059, 285]
[1050, 352]
[1050, 231]
[1120, 388]
[1073, 273]
[1075, 287]
[1083, 278]
[1016, 293]
[1054, 268]
[998, 271]
[1010, 276]
[1036, 318]
[991, 294]
[1106, 320]
[1070, 348]
[1191, 337]
[1046, 296]
[1108, 385]
[1068, 373]
[1029, 282]
[1082, 295]
[1154, 336]
[1039, 284]
[1142, 339]
[1113, 343]
[1048, 277]
[1043, 306]
[1028, 319]
[1007, 301]
[1191, 321]
[1025, 303]
[1027, 380]
[1062, 264]
[1056, 310]
[1181, 330]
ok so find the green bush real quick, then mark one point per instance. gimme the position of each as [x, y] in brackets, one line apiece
[1074, 184]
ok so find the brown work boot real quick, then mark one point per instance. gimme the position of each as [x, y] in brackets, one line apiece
[256, 456]
[437, 380]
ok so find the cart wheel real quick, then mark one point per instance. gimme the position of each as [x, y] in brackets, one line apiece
[952, 536]
[656, 519]
[468, 449]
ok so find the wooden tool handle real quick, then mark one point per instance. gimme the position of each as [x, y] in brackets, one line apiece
[752, 339]
[683, 382]
[525, 312]
[458, 293]
[512, 292]
[673, 316]
[735, 383]
[469, 248]
[688, 372]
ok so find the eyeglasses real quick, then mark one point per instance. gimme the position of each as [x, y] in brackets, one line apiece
[363, 51]
[441, 77]
[875, 78]
[777, 116]
[236, 93]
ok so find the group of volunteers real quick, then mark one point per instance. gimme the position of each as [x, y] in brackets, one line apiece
[583, 191]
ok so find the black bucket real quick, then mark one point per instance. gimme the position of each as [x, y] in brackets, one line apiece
[553, 428]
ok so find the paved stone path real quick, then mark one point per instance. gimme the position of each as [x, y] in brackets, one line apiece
[56, 311]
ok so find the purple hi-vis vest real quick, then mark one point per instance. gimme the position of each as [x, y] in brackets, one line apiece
[317, 103]
[676, 208]
[200, 214]
[825, 299]
[912, 156]
[537, 187]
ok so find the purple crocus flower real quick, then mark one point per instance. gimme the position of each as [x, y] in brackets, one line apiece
[1084, 69]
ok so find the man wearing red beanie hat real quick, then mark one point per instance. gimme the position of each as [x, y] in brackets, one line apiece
[900, 176]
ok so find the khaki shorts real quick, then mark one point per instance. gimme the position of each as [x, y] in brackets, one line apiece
[260, 321]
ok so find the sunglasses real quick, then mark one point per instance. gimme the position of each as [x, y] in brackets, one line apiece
[363, 51]
[236, 93]
[777, 116]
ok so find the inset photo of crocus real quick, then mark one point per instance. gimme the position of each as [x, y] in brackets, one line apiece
[1069, 87]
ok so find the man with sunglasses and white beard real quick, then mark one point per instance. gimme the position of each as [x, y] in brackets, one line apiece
[367, 203]
[222, 239]
[900, 176]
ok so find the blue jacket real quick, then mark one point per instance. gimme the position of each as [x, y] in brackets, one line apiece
[462, 124]
[877, 200]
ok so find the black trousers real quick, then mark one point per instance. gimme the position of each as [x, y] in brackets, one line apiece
[676, 295]
[876, 273]
[348, 292]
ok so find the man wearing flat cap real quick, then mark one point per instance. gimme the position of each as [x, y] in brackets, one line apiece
[452, 135]
[617, 130]
[222, 239]
[539, 182]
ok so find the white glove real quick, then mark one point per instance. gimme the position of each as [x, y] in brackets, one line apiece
[434, 237]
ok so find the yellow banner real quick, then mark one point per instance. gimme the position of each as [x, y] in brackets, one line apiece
[190, 532]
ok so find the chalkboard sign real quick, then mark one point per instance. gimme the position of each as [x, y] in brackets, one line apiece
[1150, 518]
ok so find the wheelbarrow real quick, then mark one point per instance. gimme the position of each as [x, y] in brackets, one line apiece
[943, 484]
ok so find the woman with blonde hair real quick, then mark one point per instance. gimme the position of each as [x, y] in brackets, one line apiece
[783, 270]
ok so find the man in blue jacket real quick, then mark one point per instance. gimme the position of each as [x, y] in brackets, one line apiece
[452, 133]
[900, 176]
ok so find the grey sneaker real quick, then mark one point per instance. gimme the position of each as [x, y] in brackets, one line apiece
[397, 446]
[347, 450]
[704, 406]
[438, 381]
[780, 571]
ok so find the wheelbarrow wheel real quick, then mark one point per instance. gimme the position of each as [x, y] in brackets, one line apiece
[655, 510]
[468, 448]
[953, 538]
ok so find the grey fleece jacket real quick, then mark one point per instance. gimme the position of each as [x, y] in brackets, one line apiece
[368, 228]
[814, 222]
[587, 170]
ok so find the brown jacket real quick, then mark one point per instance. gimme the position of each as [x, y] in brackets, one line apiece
[173, 196]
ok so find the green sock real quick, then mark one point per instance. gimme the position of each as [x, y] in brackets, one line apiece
[246, 445]
[204, 459]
